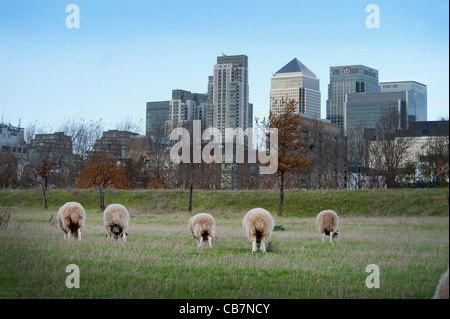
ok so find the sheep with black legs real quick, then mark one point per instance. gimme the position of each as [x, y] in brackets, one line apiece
[258, 226]
[71, 218]
[327, 223]
[203, 228]
[442, 288]
[116, 219]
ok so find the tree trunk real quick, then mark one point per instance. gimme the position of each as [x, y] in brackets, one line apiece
[45, 195]
[280, 203]
[102, 198]
[191, 187]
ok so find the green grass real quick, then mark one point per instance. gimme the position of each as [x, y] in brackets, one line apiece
[391, 202]
[161, 260]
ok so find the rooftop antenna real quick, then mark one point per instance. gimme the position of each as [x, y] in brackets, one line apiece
[224, 54]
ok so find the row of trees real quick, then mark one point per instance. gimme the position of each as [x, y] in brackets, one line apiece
[308, 157]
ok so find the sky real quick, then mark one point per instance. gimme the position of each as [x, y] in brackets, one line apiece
[127, 53]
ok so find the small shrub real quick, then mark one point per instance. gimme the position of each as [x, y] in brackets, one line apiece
[278, 228]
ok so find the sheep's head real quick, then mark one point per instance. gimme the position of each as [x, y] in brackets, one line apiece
[335, 237]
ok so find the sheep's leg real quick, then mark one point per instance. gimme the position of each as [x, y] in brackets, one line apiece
[254, 245]
[262, 246]
[65, 235]
[199, 242]
[210, 241]
[323, 238]
[331, 237]
[124, 235]
[79, 234]
[69, 235]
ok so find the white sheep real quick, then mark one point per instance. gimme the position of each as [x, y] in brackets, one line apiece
[327, 223]
[116, 219]
[203, 228]
[258, 226]
[71, 218]
[442, 288]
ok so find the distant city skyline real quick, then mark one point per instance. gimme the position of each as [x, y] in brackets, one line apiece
[127, 54]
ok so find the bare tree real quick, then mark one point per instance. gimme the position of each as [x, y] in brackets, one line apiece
[84, 134]
[389, 152]
[44, 170]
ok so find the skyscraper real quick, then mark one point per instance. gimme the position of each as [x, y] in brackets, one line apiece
[156, 115]
[228, 91]
[184, 107]
[295, 81]
[346, 80]
[416, 98]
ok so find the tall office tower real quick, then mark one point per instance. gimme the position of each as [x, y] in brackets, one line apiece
[416, 99]
[156, 115]
[295, 81]
[346, 80]
[228, 92]
[184, 107]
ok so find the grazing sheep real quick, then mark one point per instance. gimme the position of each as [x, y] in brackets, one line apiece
[442, 288]
[116, 219]
[203, 228]
[327, 222]
[258, 225]
[71, 217]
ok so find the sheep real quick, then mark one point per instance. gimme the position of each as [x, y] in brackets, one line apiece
[327, 222]
[203, 228]
[116, 219]
[258, 226]
[71, 218]
[442, 288]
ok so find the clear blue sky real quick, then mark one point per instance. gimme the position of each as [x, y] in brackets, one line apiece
[126, 53]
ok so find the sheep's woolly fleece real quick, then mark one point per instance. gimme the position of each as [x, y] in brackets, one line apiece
[258, 225]
[71, 218]
[203, 228]
[116, 219]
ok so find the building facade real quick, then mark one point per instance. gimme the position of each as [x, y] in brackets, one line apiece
[55, 143]
[185, 107]
[114, 143]
[157, 114]
[296, 82]
[366, 110]
[12, 140]
[347, 80]
[416, 97]
[228, 94]
[326, 147]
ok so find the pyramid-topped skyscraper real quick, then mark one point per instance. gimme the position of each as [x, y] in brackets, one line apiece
[295, 81]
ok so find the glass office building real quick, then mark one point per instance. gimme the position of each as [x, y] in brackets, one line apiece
[416, 98]
[364, 110]
[347, 80]
[156, 115]
[295, 81]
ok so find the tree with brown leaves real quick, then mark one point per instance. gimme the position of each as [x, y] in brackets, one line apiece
[290, 158]
[102, 171]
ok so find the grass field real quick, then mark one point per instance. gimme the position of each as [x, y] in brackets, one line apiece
[161, 259]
